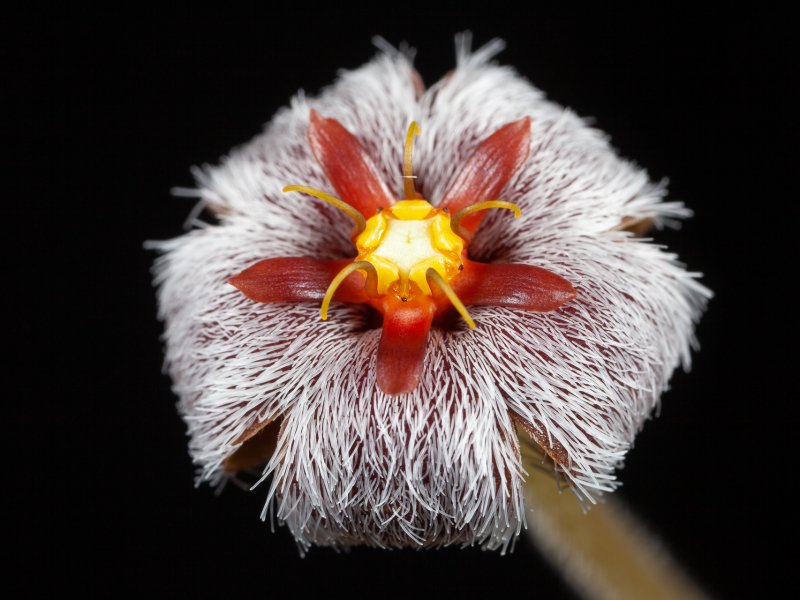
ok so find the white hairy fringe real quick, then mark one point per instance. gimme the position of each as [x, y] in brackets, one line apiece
[440, 465]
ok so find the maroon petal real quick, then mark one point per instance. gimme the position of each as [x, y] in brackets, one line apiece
[297, 280]
[513, 286]
[489, 169]
[258, 445]
[347, 166]
[537, 433]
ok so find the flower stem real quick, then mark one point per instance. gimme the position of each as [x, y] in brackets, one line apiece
[604, 552]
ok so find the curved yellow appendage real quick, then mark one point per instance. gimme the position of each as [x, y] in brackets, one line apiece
[372, 284]
[455, 221]
[434, 276]
[408, 178]
[357, 217]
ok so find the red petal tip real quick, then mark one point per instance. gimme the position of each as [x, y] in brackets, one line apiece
[403, 342]
[514, 286]
[493, 162]
[347, 165]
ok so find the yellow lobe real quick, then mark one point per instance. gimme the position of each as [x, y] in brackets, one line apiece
[410, 210]
[375, 229]
[442, 236]
[388, 272]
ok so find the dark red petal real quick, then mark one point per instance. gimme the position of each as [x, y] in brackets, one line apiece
[347, 166]
[259, 442]
[297, 280]
[403, 341]
[537, 432]
[513, 286]
[489, 169]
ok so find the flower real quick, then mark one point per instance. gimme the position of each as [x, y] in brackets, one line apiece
[437, 460]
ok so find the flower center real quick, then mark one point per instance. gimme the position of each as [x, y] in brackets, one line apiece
[404, 241]
[407, 245]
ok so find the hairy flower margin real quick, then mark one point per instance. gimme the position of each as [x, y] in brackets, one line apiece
[441, 464]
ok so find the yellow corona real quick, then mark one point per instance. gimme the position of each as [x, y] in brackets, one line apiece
[409, 245]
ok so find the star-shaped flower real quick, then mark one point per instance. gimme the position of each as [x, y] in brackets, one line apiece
[393, 423]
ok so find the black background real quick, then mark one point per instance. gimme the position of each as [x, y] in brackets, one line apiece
[107, 113]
